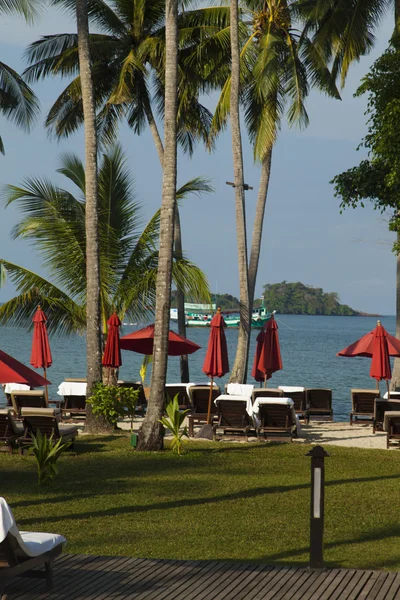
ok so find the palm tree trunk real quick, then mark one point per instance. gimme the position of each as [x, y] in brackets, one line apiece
[395, 382]
[180, 297]
[93, 316]
[150, 434]
[396, 33]
[258, 225]
[239, 371]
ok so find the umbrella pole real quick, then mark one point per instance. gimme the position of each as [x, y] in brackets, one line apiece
[265, 380]
[209, 401]
[46, 390]
[388, 390]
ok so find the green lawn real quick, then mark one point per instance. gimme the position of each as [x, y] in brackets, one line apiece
[217, 501]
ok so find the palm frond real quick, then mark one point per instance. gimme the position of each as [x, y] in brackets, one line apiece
[29, 9]
[197, 186]
[17, 101]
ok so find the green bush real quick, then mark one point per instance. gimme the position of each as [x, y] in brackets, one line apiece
[47, 455]
[174, 423]
[113, 402]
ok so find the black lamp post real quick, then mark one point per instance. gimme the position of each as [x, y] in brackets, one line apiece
[318, 455]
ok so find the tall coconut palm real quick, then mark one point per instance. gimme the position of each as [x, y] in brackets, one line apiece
[278, 65]
[54, 223]
[18, 103]
[127, 61]
[238, 373]
[150, 434]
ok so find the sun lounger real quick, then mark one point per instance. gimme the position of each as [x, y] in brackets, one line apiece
[141, 405]
[199, 398]
[298, 395]
[30, 398]
[76, 379]
[381, 406]
[363, 404]
[276, 417]
[183, 397]
[319, 404]
[45, 419]
[10, 430]
[21, 552]
[391, 425]
[266, 393]
[232, 415]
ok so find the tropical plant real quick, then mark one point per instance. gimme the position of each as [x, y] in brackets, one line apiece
[150, 437]
[377, 178]
[174, 423]
[18, 103]
[113, 402]
[278, 65]
[54, 222]
[47, 453]
[143, 369]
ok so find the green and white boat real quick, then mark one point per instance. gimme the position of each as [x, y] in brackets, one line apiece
[200, 315]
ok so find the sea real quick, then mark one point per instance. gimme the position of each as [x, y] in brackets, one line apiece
[308, 347]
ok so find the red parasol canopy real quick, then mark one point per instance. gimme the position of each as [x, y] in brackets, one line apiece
[142, 341]
[12, 371]
[41, 353]
[379, 345]
[268, 351]
[216, 361]
[112, 351]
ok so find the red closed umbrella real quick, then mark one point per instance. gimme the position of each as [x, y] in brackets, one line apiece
[13, 371]
[379, 345]
[142, 341]
[41, 354]
[269, 354]
[112, 351]
[216, 361]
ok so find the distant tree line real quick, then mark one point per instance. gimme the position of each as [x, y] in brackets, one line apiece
[300, 299]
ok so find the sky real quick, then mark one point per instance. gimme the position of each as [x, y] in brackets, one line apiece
[305, 237]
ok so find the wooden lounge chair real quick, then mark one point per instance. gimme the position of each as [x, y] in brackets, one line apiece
[183, 398]
[266, 392]
[141, 405]
[76, 379]
[45, 419]
[277, 420]
[10, 431]
[319, 404]
[21, 552]
[363, 405]
[381, 406]
[232, 417]
[199, 395]
[392, 426]
[30, 398]
[299, 399]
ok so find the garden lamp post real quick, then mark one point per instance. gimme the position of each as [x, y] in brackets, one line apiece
[318, 455]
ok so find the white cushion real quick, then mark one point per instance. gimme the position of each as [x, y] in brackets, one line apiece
[291, 388]
[240, 389]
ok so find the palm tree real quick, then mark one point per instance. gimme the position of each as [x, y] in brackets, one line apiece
[93, 316]
[54, 223]
[127, 61]
[17, 101]
[150, 434]
[239, 369]
[278, 65]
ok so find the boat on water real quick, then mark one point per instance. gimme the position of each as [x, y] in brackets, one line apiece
[200, 315]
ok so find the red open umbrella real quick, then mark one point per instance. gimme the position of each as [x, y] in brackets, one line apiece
[41, 354]
[216, 361]
[379, 345]
[112, 351]
[142, 341]
[267, 358]
[13, 371]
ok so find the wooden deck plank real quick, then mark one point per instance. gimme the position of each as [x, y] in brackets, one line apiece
[394, 591]
[137, 581]
[271, 574]
[180, 577]
[87, 577]
[193, 586]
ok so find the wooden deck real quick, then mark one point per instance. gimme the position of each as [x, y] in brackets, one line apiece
[80, 577]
